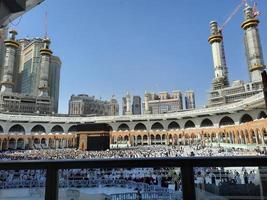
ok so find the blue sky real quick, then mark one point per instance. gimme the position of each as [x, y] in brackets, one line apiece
[112, 46]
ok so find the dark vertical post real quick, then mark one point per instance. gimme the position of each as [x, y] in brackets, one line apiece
[51, 186]
[264, 82]
[188, 182]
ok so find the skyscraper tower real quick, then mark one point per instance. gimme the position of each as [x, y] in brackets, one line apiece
[252, 44]
[46, 53]
[220, 69]
[128, 104]
[136, 106]
[11, 46]
[190, 100]
[146, 106]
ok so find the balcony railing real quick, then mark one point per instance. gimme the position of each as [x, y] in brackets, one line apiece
[185, 164]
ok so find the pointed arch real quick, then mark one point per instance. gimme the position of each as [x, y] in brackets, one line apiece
[140, 127]
[226, 121]
[12, 143]
[173, 125]
[262, 115]
[246, 118]
[189, 124]
[72, 129]
[20, 143]
[206, 123]
[38, 129]
[123, 127]
[57, 129]
[157, 126]
[17, 129]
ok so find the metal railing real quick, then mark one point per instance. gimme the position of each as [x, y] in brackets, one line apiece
[185, 164]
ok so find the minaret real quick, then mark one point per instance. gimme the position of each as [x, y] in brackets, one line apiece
[11, 46]
[252, 44]
[146, 99]
[220, 69]
[44, 70]
[128, 104]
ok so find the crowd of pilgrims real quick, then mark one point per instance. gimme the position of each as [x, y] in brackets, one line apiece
[133, 152]
[150, 176]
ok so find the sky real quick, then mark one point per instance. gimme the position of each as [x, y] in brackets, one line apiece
[109, 47]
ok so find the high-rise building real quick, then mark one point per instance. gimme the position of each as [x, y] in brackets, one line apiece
[136, 106]
[190, 100]
[54, 79]
[113, 107]
[131, 105]
[84, 104]
[124, 106]
[163, 102]
[21, 76]
[27, 70]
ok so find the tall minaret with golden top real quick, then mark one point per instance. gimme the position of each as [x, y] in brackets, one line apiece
[253, 44]
[220, 69]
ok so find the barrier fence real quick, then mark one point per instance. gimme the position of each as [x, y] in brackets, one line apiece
[186, 165]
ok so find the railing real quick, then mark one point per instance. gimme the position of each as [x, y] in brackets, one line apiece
[186, 165]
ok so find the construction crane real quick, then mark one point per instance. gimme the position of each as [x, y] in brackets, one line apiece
[245, 3]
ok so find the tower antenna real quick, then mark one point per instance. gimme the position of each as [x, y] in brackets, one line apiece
[46, 24]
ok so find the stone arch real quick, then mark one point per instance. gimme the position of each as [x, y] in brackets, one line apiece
[17, 128]
[1, 129]
[246, 118]
[163, 137]
[213, 137]
[152, 137]
[206, 123]
[43, 141]
[4, 144]
[173, 125]
[157, 126]
[189, 124]
[123, 127]
[12, 143]
[119, 138]
[126, 138]
[36, 141]
[72, 129]
[20, 143]
[38, 129]
[254, 137]
[139, 139]
[145, 137]
[226, 121]
[140, 127]
[57, 129]
[158, 138]
[262, 115]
